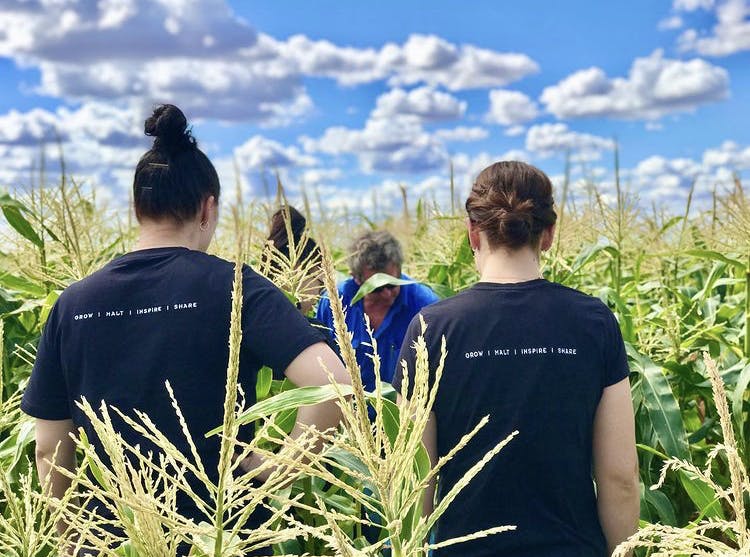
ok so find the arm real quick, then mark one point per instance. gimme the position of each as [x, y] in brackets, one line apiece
[306, 371]
[54, 436]
[429, 439]
[616, 464]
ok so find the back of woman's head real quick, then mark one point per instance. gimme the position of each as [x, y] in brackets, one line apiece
[174, 176]
[278, 234]
[309, 253]
[512, 203]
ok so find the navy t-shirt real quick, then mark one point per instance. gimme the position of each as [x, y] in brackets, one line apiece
[159, 315]
[535, 357]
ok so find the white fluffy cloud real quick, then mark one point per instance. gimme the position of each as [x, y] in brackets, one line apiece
[199, 54]
[397, 144]
[730, 34]
[430, 59]
[654, 87]
[728, 155]
[671, 23]
[101, 144]
[103, 123]
[462, 133]
[546, 140]
[421, 59]
[510, 108]
[425, 103]
[73, 31]
[260, 153]
[692, 5]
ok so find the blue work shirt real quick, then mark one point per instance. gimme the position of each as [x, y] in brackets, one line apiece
[390, 334]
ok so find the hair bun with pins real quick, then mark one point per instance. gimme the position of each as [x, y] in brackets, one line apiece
[168, 126]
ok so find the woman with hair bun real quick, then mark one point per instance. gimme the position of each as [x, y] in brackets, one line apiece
[161, 313]
[540, 358]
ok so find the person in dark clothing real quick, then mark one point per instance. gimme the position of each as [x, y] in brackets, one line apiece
[539, 358]
[289, 257]
[161, 313]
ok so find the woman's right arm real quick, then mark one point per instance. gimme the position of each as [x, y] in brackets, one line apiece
[616, 464]
[307, 370]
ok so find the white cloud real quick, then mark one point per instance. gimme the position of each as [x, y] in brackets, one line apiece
[671, 23]
[84, 32]
[421, 59]
[424, 102]
[510, 108]
[259, 152]
[546, 140]
[692, 5]
[432, 60]
[199, 54]
[654, 87]
[316, 176]
[100, 143]
[462, 133]
[515, 131]
[730, 34]
[729, 155]
[103, 123]
[397, 144]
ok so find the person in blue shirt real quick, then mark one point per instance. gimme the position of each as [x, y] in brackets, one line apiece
[389, 308]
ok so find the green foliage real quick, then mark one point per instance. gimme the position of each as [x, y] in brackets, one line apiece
[678, 284]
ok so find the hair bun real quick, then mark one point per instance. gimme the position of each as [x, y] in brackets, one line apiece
[515, 221]
[168, 126]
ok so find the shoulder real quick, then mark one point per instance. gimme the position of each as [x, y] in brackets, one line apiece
[580, 303]
[439, 314]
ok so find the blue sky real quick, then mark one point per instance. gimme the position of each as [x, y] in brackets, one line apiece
[351, 98]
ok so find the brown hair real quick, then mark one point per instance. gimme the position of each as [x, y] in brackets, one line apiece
[512, 203]
[280, 239]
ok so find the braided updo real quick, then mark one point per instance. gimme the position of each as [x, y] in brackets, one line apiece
[512, 203]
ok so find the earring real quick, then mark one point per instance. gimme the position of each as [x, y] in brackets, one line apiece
[204, 225]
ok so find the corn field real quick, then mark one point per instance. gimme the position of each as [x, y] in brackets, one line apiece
[679, 283]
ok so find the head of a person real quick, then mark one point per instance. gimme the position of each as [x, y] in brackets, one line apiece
[306, 250]
[511, 207]
[175, 183]
[377, 252]
[280, 228]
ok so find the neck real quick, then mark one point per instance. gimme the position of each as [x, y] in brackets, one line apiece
[163, 234]
[502, 265]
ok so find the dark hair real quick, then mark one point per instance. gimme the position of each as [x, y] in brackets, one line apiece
[512, 203]
[279, 237]
[174, 176]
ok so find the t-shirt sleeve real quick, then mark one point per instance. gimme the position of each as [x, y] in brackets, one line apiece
[407, 359]
[274, 330]
[615, 357]
[46, 394]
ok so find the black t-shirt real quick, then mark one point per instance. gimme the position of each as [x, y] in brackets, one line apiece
[156, 315]
[535, 357]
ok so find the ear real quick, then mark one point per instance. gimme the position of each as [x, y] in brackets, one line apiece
[474, 239]
[208, 205]
[548, 235]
